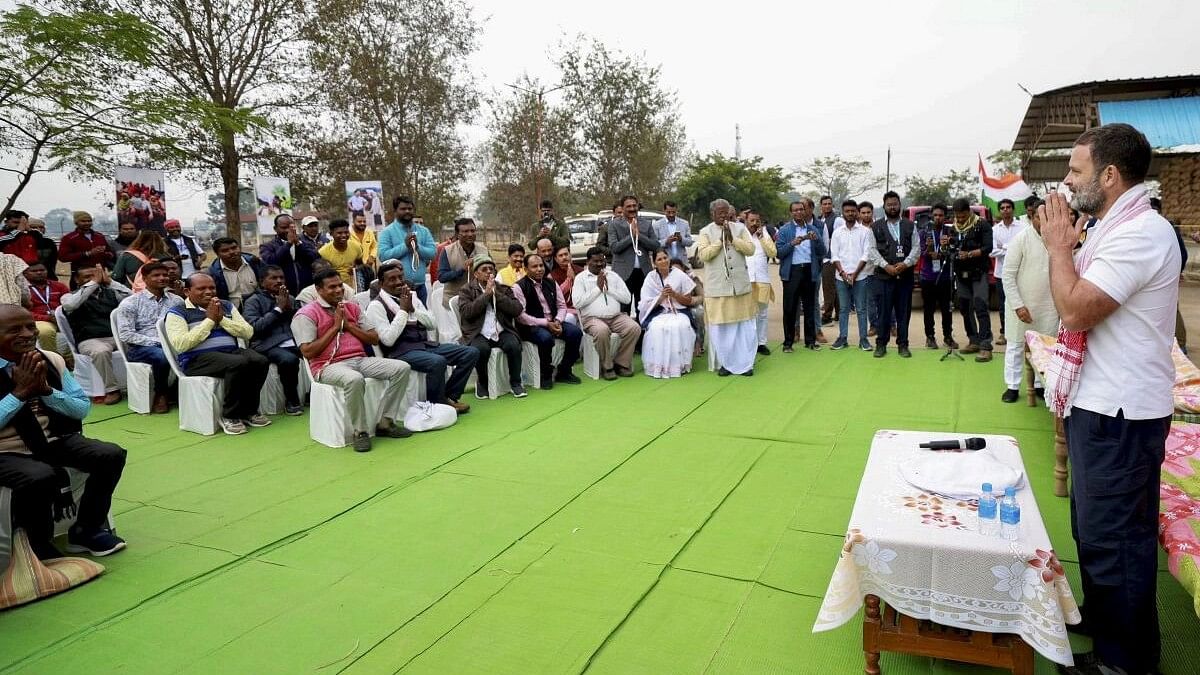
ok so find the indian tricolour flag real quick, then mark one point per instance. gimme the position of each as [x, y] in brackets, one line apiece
[1010, 186]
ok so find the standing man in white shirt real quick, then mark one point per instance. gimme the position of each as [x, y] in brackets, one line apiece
[1003, 233]
[760, 276]
[849, 252]
[674, 233]
[1116, 298]
[356, 204]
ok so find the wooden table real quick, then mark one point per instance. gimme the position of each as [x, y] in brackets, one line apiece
[885, 629]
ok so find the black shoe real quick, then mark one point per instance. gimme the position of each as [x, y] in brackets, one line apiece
[762, 349]
[623, 371]
[827, 321]
[546, 383]
[748, 373]
[814, 346]
[880, 351]
[787, 348]
[518, 391]
[1040, 392]
[568, 378]
[723, 373]
[392, 431]
[1010, 396]
[903, 352]
[930, 343]
[1088, 663]
[99, 543]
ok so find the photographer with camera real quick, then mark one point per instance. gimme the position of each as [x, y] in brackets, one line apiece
[937, 277]
[971, 274]
[549, 227]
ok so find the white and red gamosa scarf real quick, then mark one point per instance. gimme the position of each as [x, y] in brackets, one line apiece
[1066, 361]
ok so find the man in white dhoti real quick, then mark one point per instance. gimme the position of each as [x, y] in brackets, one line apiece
[1030, 305]
[730, 306]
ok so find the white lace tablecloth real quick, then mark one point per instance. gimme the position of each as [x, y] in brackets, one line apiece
[923, 555]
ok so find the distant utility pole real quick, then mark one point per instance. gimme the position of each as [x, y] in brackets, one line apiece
[537, 151]
[737, 141]
[887, 177]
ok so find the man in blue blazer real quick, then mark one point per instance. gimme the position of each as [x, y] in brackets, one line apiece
[801, 247]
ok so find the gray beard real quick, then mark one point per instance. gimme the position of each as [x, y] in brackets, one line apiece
[1089, 198]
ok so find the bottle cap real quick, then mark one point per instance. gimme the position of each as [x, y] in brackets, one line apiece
[1010, 491]
[987, 487]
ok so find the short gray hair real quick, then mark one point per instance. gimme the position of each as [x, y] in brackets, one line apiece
[718, 204]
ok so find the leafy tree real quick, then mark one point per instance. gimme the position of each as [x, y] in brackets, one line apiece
[1005, 161]
[742, 182]
[630, 139]
[530, 149]
[219, 92]
[839, 178]
[920, 191]
[396, 91]
[60, 75]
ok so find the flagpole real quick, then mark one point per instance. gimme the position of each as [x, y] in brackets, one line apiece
[887, 179]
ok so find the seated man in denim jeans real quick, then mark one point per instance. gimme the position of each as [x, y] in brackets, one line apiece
[137, 321]
[542, 321]
[402, 322]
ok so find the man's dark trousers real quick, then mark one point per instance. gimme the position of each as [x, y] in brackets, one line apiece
[1115, 466]
[894, 296]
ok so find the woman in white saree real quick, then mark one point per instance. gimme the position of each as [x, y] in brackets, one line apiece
[667, 335]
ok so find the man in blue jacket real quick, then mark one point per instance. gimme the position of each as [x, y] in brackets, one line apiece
[801, 248]
[409, 243]
[291, 252]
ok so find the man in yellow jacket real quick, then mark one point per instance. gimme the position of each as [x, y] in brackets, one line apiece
[365, 237]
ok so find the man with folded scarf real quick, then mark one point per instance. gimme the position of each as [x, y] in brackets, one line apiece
[971, 276]
[41, 413]
[1110, 378]
[402, 323]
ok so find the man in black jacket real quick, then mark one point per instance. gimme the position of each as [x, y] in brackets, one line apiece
[183, 249]
[269, 311]
[971, 277]
[897, 248]
[293, 253]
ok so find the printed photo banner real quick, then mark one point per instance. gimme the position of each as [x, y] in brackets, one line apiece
[272, 196]
[365, 197]
[141, 198]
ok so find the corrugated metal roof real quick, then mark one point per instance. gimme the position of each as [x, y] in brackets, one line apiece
[1167, 122]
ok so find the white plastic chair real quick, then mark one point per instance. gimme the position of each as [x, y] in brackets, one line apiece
[200, 397]
[448, 328]
[414, 392]
[139, 377]
[591, 357]
[85, 372]
[328, 417]
[497, 365]
[531, 363]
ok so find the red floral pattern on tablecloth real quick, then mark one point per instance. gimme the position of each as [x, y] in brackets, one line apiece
[938, 511]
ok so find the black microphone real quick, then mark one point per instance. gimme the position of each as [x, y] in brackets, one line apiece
[968, 444]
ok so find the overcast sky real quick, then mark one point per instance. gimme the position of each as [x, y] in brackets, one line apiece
[937, 80]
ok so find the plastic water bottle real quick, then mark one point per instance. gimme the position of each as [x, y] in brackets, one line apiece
[1010, 515]
[988, 524]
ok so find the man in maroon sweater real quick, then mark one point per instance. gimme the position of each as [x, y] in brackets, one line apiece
[85, 248]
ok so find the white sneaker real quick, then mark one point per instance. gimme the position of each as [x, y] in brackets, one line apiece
[258, 420]
[232, 427]
[481, 393]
